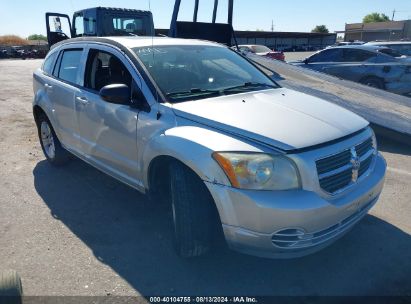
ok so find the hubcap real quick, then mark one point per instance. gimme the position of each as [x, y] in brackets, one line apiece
[47, 140]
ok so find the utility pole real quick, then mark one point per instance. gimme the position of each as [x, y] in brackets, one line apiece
[272, 25]
[393, 15]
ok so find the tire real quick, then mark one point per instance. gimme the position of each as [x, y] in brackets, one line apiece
[50, 144]
[11, 290]
[373, 82]
[193, 212]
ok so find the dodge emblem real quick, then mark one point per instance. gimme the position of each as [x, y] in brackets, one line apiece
[355, 162]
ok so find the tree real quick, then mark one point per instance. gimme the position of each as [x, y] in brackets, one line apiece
[320, 29]
[375, 17]
[37, 37]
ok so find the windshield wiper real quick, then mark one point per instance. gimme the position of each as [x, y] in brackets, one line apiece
[193, 92]
[248, 85]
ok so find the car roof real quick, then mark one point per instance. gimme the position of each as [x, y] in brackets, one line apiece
[140, 41]
[369, 47]
[388, 42]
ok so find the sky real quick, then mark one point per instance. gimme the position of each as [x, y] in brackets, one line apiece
[24, 18]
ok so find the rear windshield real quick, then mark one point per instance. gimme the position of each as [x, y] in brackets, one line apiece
[128, 25]
[260, 49]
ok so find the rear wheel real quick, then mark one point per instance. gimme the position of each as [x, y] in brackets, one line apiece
[50, 144]
[193, 212]
[374, 82]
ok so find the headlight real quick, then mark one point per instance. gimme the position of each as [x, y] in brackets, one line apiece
[258, 171]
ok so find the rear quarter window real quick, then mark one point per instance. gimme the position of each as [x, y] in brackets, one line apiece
[49, 62]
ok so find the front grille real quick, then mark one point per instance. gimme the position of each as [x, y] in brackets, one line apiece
[333, 162]
[336, 172]
[335, 182]
[364, 147]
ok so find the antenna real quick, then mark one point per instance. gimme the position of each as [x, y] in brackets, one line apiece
[152, 52]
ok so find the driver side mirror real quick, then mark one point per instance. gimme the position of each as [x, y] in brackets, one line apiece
[116, 93]
[138, 100]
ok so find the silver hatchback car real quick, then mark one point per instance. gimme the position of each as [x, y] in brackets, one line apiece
[281, 174]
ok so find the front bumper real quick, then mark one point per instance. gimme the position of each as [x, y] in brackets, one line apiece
[287, 224]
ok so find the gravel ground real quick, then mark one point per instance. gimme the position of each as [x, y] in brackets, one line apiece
[76, 231]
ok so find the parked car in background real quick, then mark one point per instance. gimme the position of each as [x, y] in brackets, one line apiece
[403, 47]
[375, 66]
[344, 43]
[4, 54]
[262, 50]
[192, 123]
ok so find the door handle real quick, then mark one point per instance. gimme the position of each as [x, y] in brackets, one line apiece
[82, 100]
[48, 86]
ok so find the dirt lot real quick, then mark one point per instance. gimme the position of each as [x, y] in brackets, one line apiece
[75, 231]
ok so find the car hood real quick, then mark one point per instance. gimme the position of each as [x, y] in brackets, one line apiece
[281, 118]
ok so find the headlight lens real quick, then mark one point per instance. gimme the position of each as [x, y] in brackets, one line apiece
[258, 171]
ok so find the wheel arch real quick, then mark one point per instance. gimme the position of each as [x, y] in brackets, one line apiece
[37, 111]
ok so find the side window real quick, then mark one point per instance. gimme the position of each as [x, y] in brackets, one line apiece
[352, 55]
[68, 65]
[79, 25]
[139, 25]
[48, 64]
[331, 55]
[104, 68]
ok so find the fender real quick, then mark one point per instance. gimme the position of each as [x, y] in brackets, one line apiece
[193, 146]
[41, 99]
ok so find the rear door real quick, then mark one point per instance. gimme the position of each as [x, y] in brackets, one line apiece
[324, 59]
[58, 27]
[62, 86]
[356, 64]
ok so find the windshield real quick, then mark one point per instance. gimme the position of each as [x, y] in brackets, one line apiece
[194, 72]
[260, 49]
[139, 25]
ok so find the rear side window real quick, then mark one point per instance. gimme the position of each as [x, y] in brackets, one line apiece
[48, 64]
[353, 55]
[69, 65]
[330, 55]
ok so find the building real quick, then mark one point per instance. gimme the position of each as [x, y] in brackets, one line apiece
[389, 30]
[288, 41]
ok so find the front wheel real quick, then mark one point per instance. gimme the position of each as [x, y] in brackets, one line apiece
[193, 212]
[50, 144]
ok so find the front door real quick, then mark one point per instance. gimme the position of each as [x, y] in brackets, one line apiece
[108, 131]
[58, 28]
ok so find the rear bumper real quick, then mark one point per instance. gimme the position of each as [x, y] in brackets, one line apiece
[288, 224]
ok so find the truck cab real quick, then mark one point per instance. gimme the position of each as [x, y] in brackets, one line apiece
[99, 21]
